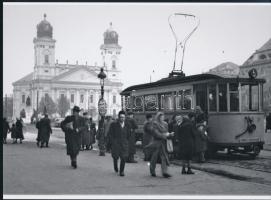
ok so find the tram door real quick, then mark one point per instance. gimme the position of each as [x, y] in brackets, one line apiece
[201, 96]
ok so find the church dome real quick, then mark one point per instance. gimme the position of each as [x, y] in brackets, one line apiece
[44, 29]
[110, 36]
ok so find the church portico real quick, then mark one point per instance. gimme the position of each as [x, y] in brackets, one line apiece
[78, 83]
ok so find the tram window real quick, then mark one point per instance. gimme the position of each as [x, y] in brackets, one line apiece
[138, 104]
[167, 101]
[151, 103]
[128, 103]
[222, 94]
[212, 97]
[250, 98]
[187, 100]
[234, 97]
[184, 99]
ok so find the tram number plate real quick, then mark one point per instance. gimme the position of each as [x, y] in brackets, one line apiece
[249, 140]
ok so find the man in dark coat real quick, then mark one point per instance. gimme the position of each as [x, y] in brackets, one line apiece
[19, 130]
[6, 129]
[186, 137]
[147, 135]
[73, 126]
[268, 122]
[108, 121]
[132, 139]
[45, 130]
[38, 135]
[119, 133]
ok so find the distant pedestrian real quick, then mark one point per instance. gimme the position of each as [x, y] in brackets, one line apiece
[13, 133]
[38, 135]
[72, 126]
[132, 138]
[157, 147]
[176, 126]
[147, 135]
[119, 133]
[86, 134]
[6, 130]
[201, 140]
[45, 131]
[186, 137]
[108, 121]
[19, 130]
[93, 132]
[171, 126]
[268, 122]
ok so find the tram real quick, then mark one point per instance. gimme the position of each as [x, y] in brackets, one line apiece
[233, 105]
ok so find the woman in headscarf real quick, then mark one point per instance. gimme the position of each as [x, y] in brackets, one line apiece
[157, 147]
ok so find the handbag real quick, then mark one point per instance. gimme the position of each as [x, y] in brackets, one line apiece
[169, 146]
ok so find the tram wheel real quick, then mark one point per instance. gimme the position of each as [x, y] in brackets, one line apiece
[256, 150]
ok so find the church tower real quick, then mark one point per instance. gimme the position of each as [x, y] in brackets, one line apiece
[110, 51]
[44, 48]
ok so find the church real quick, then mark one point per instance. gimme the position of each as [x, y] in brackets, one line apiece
[78, 83]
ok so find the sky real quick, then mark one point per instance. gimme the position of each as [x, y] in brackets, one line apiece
[227, 33]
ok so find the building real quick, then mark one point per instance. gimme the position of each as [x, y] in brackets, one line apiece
[228, 68]
[79, 83]
[261, 61]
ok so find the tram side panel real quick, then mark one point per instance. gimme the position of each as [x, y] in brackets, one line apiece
[230, 130]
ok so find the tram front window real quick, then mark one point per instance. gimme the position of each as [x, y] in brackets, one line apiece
[250, 97]
[234, 97]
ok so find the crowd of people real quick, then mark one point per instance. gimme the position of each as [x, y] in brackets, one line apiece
[16, 131]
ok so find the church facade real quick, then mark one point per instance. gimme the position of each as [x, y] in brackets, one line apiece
[79, 83]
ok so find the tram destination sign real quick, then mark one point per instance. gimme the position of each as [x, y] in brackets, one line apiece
[102, 107]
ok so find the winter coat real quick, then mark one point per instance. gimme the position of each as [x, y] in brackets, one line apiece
[45, 129]
[72, 137]
[13, 132]
[147, 135]
[38, 127]
[119, 138]
[19, 130]
[94, 132]
[200, 138]
[268, 122]
[158, 143]
[186, 137]
[132, 138]
[87, 133]
[6, 129]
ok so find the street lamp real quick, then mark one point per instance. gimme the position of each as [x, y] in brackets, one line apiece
[102, 111]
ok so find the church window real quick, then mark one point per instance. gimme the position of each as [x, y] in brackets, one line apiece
[72, 98]
[91, 98]
[23, 98]
[109, 52]
[46, 59]
[81, 98]
[114, 99]
[113, 74]
[62, 96]
[46, 71]
[46, 95]
[262, 57]
[113, 64]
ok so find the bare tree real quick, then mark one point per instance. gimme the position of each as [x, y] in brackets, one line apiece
[63, 105]
[47, 105]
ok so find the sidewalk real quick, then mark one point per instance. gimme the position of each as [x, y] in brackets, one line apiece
[232, 172]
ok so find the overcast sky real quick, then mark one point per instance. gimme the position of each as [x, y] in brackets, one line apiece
[227, 32]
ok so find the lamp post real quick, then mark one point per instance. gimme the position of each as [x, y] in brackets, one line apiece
[102, 111]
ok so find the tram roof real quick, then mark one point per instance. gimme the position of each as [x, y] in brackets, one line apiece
[192, 78]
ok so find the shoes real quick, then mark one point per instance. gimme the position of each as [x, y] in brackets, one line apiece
[166, 175]
[74, 165]
[41, 146]
[38, 144]
[190, 172]
[116, 170]
[131, 161]
[21, 142]
[122, 174]
[183, 171]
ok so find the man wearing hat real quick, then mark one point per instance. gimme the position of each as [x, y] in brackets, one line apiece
[132, 138]
[73, 127]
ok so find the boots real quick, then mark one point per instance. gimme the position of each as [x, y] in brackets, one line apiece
[184, 171]
[47, 144]
[116, 165]
[189, 171]
[122, 165]
[74, 164]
